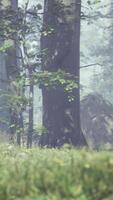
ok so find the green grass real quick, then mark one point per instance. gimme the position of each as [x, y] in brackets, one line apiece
[49, 174]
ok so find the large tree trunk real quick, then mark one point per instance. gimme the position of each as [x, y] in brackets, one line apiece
[61, 117]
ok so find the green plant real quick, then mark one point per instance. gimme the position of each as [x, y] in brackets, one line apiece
[52, 174]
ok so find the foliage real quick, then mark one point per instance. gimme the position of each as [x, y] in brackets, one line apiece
[66, 81]
[39, 130]
[45, 174]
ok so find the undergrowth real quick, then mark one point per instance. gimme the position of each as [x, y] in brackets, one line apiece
[51, 174]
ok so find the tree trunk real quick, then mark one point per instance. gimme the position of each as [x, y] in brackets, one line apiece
[31, 97]
[61, 117]
[8, 69]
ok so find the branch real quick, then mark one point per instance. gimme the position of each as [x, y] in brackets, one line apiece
[96, 16]
[84, 66]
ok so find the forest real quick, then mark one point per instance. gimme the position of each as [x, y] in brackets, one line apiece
[56, 100]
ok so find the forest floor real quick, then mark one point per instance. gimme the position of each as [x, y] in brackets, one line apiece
[52, 174]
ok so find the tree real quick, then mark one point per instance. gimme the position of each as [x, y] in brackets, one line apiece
[103, 50]
[61, 41]
[22, 31]
[8, 52]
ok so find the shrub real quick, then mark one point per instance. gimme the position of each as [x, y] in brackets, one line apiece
[49, 174]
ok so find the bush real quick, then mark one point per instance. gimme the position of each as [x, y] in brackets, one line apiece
[49, 174]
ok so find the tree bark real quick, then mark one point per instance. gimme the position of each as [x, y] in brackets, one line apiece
[61, 117]
[30, 126]
[8, 68]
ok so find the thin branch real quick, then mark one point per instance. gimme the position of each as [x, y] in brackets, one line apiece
[84, 66]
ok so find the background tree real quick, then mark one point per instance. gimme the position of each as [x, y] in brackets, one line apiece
[23, 27]
[105, 51]
[8, 52]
